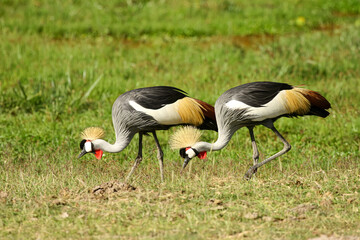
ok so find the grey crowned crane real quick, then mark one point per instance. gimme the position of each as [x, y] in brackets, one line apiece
[248, 105]
[146, 110]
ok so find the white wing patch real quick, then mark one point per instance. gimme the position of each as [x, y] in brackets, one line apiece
[167, 115]
[276, 107]
[234, 104]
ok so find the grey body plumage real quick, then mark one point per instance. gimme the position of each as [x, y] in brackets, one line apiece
[127, 120]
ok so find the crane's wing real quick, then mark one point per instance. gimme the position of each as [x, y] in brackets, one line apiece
[259, 101]
[256, 94]
[166, 105]
[156, 97]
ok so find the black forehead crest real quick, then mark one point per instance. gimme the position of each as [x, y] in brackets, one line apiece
[182, 152]
[82, 143]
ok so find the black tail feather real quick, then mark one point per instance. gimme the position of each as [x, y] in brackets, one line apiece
[209, 113]
[319, 104]
[318, 112]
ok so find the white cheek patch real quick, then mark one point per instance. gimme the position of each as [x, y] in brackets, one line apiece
[88, 147]
[191, 153]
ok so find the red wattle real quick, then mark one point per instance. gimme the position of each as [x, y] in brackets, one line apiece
[202, 155]
[98, 154]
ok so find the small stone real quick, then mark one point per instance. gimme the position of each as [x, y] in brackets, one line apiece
[267, 218]
[251, 215]
[64, 215]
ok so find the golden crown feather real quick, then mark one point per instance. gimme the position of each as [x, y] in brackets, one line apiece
[92, 133]
[184, 137]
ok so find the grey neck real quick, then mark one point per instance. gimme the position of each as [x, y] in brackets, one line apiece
[223, 139]
[120, 144]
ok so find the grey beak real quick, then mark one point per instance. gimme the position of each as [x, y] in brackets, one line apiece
[186, 161]
[83, 152]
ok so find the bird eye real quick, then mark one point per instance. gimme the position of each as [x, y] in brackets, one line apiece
[82, 143]
[182, 152]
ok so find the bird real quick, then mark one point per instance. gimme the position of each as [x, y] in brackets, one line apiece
[144, 111]
[249, 105]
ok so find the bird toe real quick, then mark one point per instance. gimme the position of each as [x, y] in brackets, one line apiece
[250, 172]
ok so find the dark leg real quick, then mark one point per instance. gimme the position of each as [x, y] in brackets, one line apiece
[253, 143]
[160, 156]
[286, 148]
[138, 158]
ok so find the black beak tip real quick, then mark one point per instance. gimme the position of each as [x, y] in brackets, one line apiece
[83, 152]
[186, 161]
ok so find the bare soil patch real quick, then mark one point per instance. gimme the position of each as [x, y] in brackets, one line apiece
[3, 196]
[111, 187]
[303, 208]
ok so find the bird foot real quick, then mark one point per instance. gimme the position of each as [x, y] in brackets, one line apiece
[250, 172]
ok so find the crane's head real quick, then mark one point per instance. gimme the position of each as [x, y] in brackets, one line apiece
[186, 139]
[88, 136]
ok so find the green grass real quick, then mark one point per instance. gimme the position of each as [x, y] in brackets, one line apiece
[63, 63]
